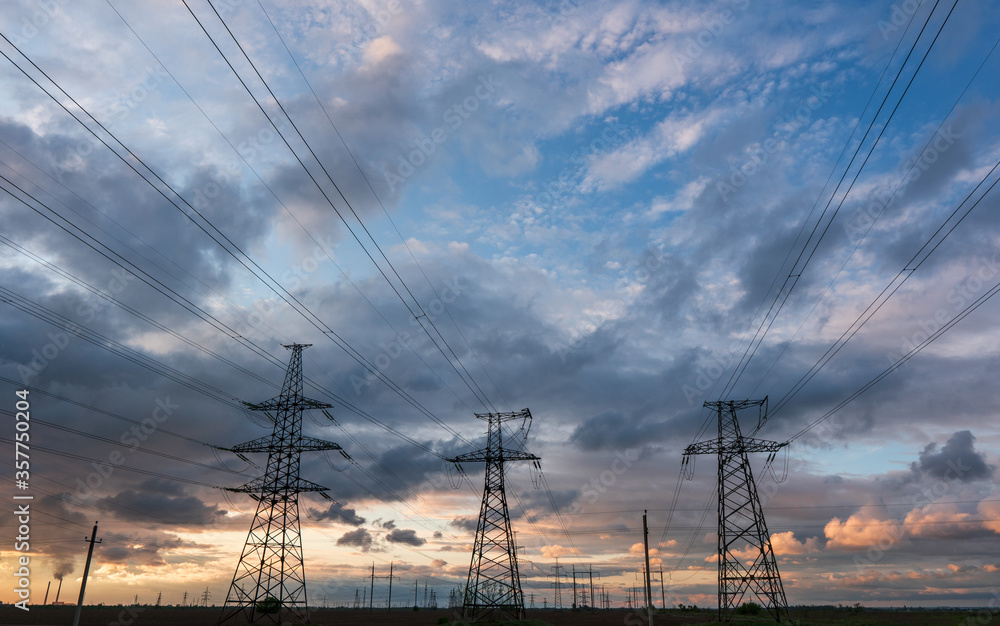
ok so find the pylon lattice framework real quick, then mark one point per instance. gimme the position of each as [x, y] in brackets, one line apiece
[746, 559]
[493, 590]
[269, 585]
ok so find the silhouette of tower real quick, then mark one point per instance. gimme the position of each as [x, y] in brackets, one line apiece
[493, 590]
[746, 560]
[269, 586]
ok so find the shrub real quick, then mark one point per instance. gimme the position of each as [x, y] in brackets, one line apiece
[749, 608]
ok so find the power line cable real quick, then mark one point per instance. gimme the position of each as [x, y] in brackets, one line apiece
[794, 274]
[241, 258]
[302, 227]
[480, 396]
[381, 204]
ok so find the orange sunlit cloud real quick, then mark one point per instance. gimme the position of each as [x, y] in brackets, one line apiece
[865, 529]
[637, 548]
[556, 551]
[786, 544]
[990, 511]
[937, 522]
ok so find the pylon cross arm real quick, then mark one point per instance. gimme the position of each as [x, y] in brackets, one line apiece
[311, 444]
[257, 486]
[484, 456]
[742, 444]
[261, 444]
[287, 403]
[477, 456]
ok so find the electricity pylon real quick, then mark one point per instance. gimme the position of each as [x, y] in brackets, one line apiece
[269, 586]
[493, 591]
[746, 559]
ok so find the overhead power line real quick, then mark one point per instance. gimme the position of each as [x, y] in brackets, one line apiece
[817, 233]
[413, 305]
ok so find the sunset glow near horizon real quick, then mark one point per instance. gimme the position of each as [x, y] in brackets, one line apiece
[587, 209]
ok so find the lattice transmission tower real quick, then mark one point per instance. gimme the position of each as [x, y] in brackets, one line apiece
[269, 586]
[493, 590]
[746, 560]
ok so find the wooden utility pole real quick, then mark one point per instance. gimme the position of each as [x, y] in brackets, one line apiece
[590, 570]
[389, 603]
[86, 571]
[574, 585]
[645, 544]
[663, 595]
[371, 596]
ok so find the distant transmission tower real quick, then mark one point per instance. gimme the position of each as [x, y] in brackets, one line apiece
[269, 586]
[557, 585]
[493, 591]
[746, 560]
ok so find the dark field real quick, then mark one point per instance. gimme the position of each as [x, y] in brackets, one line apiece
[171, 616]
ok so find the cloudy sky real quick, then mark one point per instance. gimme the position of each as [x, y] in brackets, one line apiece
[608, 213]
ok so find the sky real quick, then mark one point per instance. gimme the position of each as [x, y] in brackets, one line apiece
[608, 213]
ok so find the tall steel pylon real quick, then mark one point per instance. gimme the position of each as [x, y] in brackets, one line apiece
[269, 586]
[493, 591]
[746, 560]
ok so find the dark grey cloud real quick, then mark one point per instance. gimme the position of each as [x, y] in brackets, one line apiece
[612, 430]
[405, 536]
[160, 501]
[957, 459]
[339, 513]
[359, 538]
